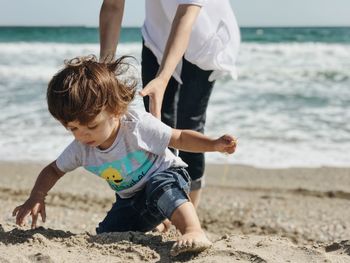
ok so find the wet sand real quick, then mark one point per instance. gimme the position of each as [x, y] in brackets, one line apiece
[251, 215]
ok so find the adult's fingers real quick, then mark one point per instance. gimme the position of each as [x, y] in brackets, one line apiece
[146, 91]
[155, 108]
[143, 93]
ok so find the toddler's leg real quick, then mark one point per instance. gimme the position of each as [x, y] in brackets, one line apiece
[164, 226]
[167, 191]
[193, 238]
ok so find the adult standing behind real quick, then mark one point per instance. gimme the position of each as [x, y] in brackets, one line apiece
[187, 45]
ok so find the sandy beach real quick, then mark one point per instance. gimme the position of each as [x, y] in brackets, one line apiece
[251, 215]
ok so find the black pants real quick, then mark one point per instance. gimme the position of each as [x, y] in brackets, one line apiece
[184, 106]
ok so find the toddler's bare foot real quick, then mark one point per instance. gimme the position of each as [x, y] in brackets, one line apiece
[164, 226]
[195, 241]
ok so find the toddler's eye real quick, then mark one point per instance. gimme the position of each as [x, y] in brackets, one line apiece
[72, 129]
[92, 127]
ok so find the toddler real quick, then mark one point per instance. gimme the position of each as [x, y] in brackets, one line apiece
[125, 147]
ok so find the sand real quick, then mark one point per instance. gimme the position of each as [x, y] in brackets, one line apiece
[251, 215]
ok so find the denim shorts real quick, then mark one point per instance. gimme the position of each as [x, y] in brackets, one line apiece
[163, 193]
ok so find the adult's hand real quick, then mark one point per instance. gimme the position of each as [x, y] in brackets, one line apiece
[155, 90]
[177, 43]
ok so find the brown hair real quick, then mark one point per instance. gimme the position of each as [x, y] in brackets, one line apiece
[85, 87]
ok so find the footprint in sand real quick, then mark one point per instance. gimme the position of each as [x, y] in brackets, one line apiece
[38, 257]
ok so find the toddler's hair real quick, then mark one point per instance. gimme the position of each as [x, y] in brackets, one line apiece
[85, 87]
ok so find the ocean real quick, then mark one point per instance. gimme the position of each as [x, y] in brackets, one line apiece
[290, 106]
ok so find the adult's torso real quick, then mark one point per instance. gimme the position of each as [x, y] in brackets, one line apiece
[215, 36]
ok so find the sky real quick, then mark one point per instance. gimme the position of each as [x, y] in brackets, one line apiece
[249, 12]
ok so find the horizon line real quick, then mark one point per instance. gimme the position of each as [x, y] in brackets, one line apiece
[247, 26]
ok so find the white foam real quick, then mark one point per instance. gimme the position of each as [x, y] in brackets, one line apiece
[289, 107]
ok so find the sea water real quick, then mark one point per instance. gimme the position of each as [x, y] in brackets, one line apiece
[289, 107]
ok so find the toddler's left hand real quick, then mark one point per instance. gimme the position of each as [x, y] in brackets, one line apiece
[226, 144]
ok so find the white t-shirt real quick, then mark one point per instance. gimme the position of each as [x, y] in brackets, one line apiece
[139, 150]
[214, 40]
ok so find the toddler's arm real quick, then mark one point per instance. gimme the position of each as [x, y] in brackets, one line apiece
[192, 141]
[35, 204]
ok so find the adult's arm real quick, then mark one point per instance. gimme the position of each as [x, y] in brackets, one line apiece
[111, 15]
[176, 46]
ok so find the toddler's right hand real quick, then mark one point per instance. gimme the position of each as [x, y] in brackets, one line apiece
[33, 207]
[226, 144]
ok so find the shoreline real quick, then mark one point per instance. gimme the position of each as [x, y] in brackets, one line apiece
[216, 174]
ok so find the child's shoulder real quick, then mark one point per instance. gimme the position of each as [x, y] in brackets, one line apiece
[136, 115]
[77, 146]
[135, 119]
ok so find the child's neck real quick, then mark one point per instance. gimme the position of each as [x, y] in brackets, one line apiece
[109, 142]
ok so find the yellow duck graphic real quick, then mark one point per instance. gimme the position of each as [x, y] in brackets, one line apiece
[112, 174]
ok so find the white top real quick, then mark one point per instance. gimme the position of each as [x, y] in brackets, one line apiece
[214, 40]
[139, 151]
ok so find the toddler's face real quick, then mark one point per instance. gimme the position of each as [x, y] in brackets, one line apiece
[100, 132]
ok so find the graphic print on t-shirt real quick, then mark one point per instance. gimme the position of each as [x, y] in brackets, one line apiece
[112, 174]
[126, 172]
